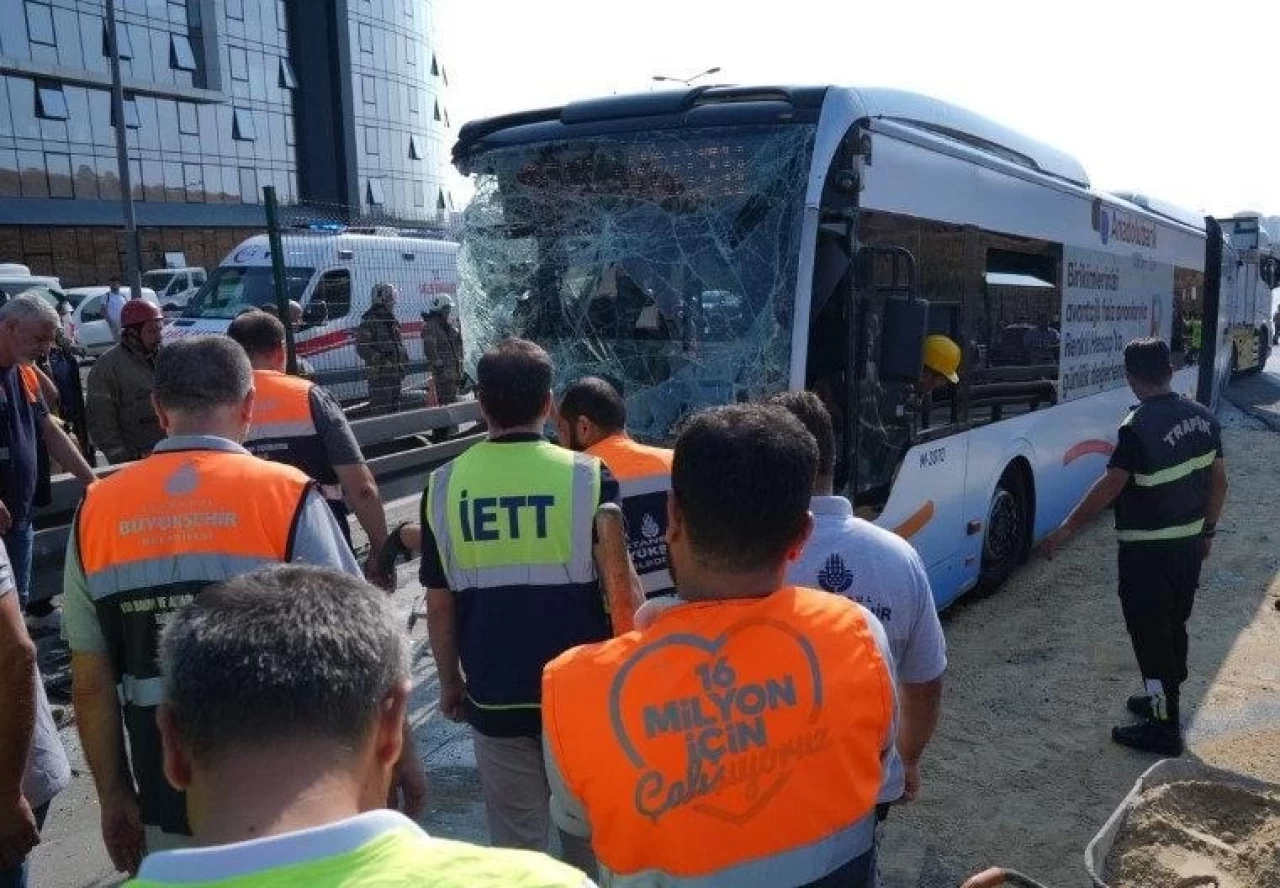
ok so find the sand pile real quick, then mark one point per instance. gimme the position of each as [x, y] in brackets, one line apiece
[1195, 833]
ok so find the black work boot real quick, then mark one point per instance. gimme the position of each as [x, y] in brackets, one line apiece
[1139, 705]
[1161, 737]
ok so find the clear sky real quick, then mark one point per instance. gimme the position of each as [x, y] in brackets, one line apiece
[1167, 97]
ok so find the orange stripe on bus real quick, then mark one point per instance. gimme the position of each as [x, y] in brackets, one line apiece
[913, 525]
[1087, 448]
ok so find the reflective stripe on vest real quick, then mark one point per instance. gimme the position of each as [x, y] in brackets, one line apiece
[284, 429]
[1180, 532]
[642, 473]
[493, 528]
[1176, 473]
[729, 743]
[151, 537]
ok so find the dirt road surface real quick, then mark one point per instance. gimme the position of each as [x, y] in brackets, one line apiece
[1022, 772]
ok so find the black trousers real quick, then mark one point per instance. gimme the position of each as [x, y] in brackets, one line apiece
[1157, 590]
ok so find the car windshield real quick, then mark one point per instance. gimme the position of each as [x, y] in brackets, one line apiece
[157, 280]
[666, 260]
[231, 289]
[44, 291]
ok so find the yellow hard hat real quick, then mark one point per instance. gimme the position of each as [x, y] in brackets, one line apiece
[942, 356]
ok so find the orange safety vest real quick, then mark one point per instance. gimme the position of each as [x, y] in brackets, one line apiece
[735, 740]
[284, 429]
[150, 538]
[644, 480]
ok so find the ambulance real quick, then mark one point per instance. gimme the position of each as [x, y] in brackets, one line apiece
[331, 271]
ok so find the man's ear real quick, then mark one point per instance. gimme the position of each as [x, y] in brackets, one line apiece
[588, 432]
[797, 547]
[388, 740]
[177, 761]
[246, 407]
[675, 520]
[160, 414]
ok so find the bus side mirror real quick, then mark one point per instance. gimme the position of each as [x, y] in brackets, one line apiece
[903, 329]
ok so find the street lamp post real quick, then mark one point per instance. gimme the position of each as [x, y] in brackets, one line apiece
[133, 250]
[687, 81]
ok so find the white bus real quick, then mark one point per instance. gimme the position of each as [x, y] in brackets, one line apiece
[720, 244]
[1249, 322]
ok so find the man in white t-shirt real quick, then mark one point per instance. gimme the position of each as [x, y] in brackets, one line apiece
[881, 571]
[113, 304]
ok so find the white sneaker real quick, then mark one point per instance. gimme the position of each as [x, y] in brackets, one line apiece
[49, 623]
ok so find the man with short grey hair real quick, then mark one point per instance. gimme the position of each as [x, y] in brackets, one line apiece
[285, 691]
[200, 509]
[29, 438]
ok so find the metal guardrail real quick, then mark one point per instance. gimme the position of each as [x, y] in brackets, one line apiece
[376, 435]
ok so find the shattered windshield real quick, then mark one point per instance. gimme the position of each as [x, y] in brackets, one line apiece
[665, 260]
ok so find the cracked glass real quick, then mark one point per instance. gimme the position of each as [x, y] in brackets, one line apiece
[664, 260]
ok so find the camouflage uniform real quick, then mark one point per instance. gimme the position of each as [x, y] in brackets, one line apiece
[442, 348]
[381, 347]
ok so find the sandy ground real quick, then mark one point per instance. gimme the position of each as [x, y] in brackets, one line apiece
[1022, 772]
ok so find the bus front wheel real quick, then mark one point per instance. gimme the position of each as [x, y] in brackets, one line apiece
[1005, 542]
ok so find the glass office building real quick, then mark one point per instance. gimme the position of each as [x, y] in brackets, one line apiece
[339, 103]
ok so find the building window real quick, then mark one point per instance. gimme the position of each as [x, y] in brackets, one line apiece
[122, 34]
[40, 24]
[446, 117]
[410, 51]
[242, 125]
[415, 101]
[437, 111]
[413, 149]
[408, 8]
[51, 104]
[366, 37]
[371, 140]
[368, 89]
[287, 78]
[375, 192]
[131, 119]
[59, 169]
[248, 185]
[188, 119]
[239, 64]
[440, 204]
[181, 57]
[435, 66]
[444, 75]
[235, 9]
[419, 194]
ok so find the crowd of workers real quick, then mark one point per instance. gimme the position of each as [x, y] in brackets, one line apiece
[693, 666]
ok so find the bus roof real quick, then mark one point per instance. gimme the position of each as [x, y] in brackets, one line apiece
[727, 105]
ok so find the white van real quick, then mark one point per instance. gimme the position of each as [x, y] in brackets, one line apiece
[87, 325]
[16, 279]
[332, 274]
[174, 287]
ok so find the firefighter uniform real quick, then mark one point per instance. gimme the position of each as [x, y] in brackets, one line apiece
[285, 430]
[644, 482]
[735, 742]
[1168, 445]
[507, 528]
[153, 535]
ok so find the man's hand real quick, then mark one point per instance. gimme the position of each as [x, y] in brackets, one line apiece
[410, 784]
[18, 833]
[122, 833]
[375, 574]
[1055, 541]
[911, 772]
[6, 520]
[453, 704]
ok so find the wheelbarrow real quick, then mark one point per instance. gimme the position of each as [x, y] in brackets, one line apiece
[1161, 773]
[1099, 848]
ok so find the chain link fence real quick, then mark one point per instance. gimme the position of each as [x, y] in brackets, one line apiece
[368, 300]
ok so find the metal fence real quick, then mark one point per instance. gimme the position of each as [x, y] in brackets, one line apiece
[367, 299]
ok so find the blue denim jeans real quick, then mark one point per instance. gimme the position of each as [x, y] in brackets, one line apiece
[17, 877]
[18, 542]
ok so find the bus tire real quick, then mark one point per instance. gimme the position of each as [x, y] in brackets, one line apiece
[1007, 539]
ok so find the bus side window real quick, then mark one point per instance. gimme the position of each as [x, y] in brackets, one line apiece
[1014, 352]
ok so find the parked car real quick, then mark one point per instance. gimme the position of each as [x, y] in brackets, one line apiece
[174, 287]
[88, 326]
[16, 279]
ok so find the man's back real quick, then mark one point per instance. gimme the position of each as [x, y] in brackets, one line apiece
[378, 848]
